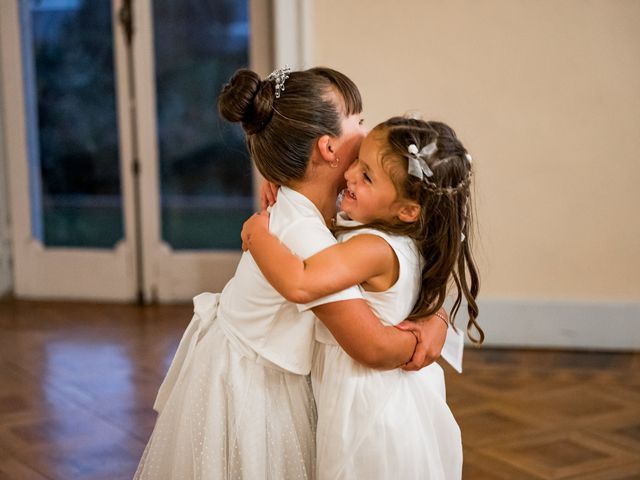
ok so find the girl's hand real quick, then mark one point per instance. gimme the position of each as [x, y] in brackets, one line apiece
[268, 194]
[256, 222]
[431, 333]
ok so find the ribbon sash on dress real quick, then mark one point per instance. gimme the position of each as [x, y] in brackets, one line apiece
[205, 310]
[453, 348]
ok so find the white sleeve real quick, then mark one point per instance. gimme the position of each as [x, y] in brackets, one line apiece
[305, 238]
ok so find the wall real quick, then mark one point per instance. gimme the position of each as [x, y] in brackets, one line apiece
[5, 245]
[546, 97]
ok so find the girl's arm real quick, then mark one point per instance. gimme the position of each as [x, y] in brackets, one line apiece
[361, 259]
[362, 336]
[366, 340]
[355, 327]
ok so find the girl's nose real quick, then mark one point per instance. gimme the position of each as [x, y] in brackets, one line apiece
[348, 174]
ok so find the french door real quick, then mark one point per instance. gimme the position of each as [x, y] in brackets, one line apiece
[124, 183]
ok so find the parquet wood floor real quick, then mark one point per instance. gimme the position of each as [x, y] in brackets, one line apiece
[77, 382]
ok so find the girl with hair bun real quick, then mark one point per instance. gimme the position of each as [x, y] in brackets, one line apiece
[237, 401]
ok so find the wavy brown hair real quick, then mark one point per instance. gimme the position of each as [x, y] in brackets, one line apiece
[443, 231]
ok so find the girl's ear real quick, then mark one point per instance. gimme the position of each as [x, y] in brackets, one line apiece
[409, 212]
[325, 149]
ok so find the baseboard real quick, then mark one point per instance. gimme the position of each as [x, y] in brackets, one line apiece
[560, 324]
[6, 280]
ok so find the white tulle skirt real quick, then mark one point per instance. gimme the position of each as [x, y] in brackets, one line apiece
[222, 415]
[382, 424]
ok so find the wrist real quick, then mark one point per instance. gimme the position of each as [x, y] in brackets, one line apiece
[442, 316]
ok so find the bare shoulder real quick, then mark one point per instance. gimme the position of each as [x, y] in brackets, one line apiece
[368, 244]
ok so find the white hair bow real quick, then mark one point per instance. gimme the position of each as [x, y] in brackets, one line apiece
[417, 160]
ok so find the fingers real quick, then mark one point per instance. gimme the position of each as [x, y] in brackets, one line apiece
[430, 336]
[256, 222]
[412, 366]
[245, 243]
[421, 358]
[408, 326]
[415, 361]
[268, 194]
[264, 199]
[273, 190]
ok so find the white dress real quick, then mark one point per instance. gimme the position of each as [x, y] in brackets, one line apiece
[383, 424]
[237, 400]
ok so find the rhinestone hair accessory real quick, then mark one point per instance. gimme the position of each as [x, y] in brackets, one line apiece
[279, 75]
[417, 165]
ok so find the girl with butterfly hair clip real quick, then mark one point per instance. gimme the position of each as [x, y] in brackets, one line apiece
[404, 232]
[237, 402]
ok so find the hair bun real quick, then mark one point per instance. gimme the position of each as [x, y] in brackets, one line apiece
[247, 99]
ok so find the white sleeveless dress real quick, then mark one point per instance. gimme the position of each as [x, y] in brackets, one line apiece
[383, 424]
[237, 401]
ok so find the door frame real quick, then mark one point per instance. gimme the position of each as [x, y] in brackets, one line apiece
[55, 272]
[279, 36]
[6, 277]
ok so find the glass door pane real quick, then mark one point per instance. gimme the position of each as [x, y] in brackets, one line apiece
[205, 171]
[72, 123]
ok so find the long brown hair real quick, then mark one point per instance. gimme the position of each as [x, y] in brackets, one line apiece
[281, 131]
[443, 231]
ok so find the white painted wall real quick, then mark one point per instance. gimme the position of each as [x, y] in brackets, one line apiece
[546, 97]
[6, 282]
